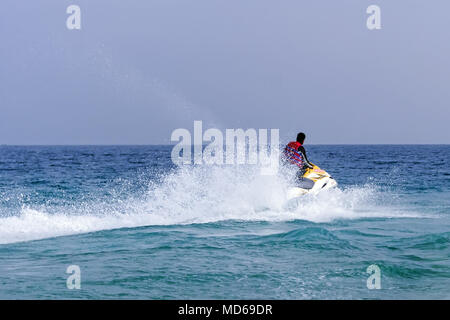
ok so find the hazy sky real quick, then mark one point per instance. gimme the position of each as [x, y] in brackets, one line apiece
[138, 69]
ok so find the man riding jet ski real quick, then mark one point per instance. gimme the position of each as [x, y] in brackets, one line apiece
[310, 179]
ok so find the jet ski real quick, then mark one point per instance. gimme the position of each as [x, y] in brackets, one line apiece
[322, 181]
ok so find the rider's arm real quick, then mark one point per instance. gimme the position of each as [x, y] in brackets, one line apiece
[303, 152]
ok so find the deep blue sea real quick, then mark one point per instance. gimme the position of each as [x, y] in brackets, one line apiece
[139, 227]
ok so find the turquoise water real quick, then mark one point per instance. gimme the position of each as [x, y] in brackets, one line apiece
[138, 227]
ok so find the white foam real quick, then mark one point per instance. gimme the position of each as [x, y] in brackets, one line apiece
[196, 195]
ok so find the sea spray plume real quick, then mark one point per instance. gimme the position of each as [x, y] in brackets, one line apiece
[195, 194]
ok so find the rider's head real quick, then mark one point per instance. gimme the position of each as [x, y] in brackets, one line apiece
[301, 137]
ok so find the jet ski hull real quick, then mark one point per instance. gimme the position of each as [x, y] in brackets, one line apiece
[322, 181]
[319, 185]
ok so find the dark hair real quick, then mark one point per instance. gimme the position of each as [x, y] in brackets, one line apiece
[301, 137]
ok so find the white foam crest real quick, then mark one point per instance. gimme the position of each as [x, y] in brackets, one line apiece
[352, 203]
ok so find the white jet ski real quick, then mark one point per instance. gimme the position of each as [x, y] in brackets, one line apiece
[322, 181]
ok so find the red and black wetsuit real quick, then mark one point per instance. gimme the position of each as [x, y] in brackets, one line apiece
[295, 153]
